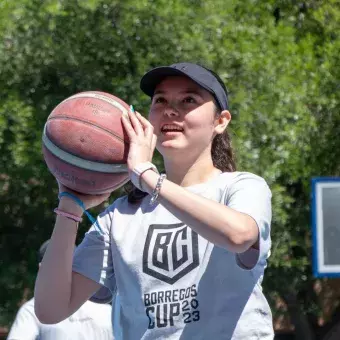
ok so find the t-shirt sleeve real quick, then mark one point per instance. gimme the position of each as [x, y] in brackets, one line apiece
[93, 258]
[25, 325]
[250, 194]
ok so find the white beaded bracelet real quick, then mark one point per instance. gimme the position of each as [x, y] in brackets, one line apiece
[157, 189]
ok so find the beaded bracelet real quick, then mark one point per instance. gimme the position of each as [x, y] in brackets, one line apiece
[68, 215]
[157, 189]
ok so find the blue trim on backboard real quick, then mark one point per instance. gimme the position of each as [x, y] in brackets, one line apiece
[314, 215]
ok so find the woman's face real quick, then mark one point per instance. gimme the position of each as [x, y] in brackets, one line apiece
[183, 115]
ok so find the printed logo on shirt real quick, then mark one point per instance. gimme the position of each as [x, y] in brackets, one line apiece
[170, 252]
[166, 307]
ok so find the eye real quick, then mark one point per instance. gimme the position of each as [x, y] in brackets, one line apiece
[159, 100]
[189, 100]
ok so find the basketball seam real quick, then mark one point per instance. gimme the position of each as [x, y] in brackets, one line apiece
[55, 150]
[88, 122]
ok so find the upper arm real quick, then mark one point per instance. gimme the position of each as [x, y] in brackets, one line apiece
[93, 265]
[82, 289]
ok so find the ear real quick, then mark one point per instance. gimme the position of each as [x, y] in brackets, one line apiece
[222, 121]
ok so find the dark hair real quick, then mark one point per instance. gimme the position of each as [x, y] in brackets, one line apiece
[221, 152]
[134, 195]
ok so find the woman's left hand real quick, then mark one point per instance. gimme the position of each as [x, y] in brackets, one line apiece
[142, 139]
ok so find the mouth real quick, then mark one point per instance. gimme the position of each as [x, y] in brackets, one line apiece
[171, 129]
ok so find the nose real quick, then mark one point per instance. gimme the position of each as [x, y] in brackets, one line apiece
[171, 111]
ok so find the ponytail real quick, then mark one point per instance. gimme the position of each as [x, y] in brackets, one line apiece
[134, 195]
[222, 154]
[221, 151]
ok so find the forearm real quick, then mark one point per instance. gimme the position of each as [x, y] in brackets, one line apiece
[215, 222]
[54, 281]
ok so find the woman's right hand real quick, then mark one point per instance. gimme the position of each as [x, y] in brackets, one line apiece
[69, 205]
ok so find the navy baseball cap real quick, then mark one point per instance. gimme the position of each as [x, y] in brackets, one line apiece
[200, 75]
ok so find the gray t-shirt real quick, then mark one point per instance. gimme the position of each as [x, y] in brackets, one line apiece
[91, 321]
[172, 283]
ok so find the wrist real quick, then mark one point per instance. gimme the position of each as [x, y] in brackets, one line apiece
[138, 171]
[69, 206]
[148, 180]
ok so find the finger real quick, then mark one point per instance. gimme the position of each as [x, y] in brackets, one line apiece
[144, 122]
[128, 127]
[135, 121]
[147, 126]
[153, 145]
[62, 187]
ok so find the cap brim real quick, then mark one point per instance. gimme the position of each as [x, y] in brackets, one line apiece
[152, 78]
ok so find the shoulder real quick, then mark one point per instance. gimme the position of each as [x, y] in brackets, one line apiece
[243, 186]
[118, 204]
[118, 210]
[242, 179]
[28, 306]
[237, 176]
[122, 205]
[26, 311]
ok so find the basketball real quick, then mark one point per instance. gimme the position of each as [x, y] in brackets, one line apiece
[84, 143]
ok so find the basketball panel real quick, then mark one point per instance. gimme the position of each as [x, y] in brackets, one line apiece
[93, 110]
[82, 180]
[86, 140]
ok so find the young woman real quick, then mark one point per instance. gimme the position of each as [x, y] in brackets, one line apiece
[186, 260]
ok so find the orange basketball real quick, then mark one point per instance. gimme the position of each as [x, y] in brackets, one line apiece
[84, 143]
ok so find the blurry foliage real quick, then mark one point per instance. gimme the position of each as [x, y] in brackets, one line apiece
[279, 59]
